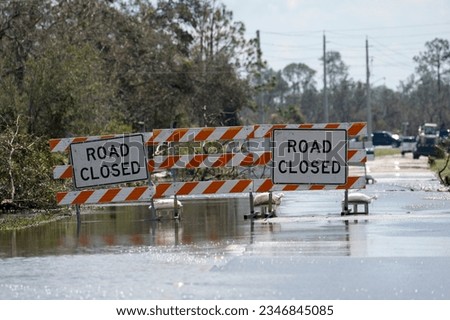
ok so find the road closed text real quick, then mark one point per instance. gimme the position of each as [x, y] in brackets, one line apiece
[307, 156]
[109, 161]
[305, 166]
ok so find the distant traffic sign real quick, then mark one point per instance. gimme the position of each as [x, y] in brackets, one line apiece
[108, 161]
[309, 156]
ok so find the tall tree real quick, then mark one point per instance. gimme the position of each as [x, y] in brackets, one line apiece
[219, 53]
[434, 59]
[431, 65]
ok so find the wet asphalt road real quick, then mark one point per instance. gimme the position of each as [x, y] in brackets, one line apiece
[401, 250]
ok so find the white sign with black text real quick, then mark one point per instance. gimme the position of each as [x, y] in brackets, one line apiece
[309, 156]
[108, 161]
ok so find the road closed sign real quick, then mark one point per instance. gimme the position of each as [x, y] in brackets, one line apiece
[108, 161]
[309, 156]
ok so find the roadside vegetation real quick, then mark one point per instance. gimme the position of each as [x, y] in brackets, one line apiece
[440, 163]
[440, 166]
[81, 67]
[30, 219]
[380, 152]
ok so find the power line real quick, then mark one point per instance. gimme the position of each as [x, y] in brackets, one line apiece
[311, 47]
[339, 31]
[289, 34]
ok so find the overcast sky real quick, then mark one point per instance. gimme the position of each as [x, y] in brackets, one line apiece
[292, 31]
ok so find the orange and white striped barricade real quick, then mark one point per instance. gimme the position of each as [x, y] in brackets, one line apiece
[62, 144]
[203, 188]
[311, 146]
[200, 134]
[353, 129]
[223, 159]
[191, 161]
[103, 196]
[237, 158]
[111, 144]
[266, 185]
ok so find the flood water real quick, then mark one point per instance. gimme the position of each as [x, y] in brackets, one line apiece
[116, 228]
[401, 250]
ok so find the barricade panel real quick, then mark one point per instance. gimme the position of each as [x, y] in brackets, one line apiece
[252, 159]
[243, 147]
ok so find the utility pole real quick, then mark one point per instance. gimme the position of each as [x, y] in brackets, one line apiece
[260, 98]
[325, 94]
[369, 108]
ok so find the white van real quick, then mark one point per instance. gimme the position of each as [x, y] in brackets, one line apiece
[408, 143]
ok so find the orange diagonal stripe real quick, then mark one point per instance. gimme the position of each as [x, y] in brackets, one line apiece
[187, 187]
[290, 187]
[155, 133]
[350, 182]
[332, 125]
[351, 153]
[161, 189]
[252, 134]
[60, 196]
[265, 186]
[275, 126]
[79, 139]
[82, 197]
[53, 143]
[248, 160]
[355, 128]
[136, 193]
[196, 161]
[169, 162]
[214, 187]
[107, 136]
[264, 159]
[151, 165]
[241, 186]
[109, 195]
[222, 160]
[230, 133]
[177, 134]
[204, 134]
[67, 174]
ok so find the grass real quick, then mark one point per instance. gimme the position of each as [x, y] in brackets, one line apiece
[439, 164]
[380, 152]
[26, 220]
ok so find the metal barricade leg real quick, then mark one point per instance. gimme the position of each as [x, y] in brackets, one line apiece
[252, 205]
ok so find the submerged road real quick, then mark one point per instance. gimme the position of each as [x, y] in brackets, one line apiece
[401, 250]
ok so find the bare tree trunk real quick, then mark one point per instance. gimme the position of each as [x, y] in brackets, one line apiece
[444, 180]
[12, 150]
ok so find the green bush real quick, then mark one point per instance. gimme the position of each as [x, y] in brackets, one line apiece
[26, 176]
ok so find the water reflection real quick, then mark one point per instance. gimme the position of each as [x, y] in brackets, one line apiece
[204, 222]
[303, 229]
[306, 238]
[210, 220]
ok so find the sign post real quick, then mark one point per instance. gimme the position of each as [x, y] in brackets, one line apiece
[309, 156]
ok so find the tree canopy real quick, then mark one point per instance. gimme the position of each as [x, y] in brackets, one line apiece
[81, 67]
[77, 67]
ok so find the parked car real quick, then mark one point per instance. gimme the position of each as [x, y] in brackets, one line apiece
[385, 138]
[408, 143]
[427, 140]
